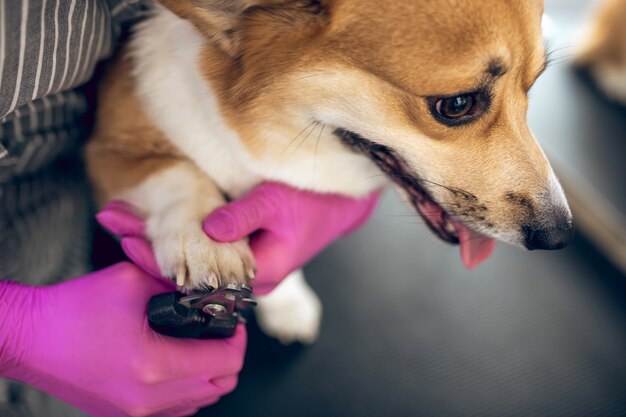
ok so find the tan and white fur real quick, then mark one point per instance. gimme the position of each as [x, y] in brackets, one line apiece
[212, 97]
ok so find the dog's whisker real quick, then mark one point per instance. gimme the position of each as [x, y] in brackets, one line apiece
[315, 126]
[553, 51]
[563, 60]
[454, 190]
[297, 136]
[473, 226]
[376, 176]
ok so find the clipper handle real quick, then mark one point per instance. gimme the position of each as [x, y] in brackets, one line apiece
[166, 315]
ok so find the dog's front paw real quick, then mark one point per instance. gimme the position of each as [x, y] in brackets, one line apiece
[292, 312]
[194, 261]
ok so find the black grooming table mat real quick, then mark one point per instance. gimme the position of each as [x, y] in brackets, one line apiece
[408, 332]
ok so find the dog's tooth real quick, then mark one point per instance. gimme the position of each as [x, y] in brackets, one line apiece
[180, 280]
[449, 227]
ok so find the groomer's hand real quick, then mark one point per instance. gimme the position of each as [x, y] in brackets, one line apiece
[287, 227]
[88, 342]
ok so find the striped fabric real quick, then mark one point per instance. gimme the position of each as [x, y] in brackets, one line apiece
[48, 50]
[44, 49]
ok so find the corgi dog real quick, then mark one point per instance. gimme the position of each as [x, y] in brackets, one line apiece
[212, 97]
[603, 49]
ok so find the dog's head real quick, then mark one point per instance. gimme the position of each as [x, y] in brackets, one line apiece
[435, 92]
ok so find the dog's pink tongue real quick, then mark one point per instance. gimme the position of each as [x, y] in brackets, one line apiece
[475, 247]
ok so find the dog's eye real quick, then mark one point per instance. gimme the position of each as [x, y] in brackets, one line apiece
[461, 109]
[452, 108]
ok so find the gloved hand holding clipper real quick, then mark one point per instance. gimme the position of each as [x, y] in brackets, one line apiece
[87, 342]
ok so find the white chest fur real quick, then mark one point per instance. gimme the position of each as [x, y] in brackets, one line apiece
[180, 102]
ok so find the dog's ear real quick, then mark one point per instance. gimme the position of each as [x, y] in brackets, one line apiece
[223, 20]
[217, 19]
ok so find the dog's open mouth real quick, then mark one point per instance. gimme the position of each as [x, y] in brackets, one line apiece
[475, 247]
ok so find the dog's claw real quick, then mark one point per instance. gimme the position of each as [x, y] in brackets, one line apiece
[251, 273]
[213, 280]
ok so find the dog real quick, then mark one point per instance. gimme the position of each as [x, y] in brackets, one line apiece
[603, 50]
[211, 97]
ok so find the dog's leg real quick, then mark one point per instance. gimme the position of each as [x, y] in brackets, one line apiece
[175, 201]
[292, 312]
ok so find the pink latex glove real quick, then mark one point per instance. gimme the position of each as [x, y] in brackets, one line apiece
[288, 227]
[87, 341]
[119, 219]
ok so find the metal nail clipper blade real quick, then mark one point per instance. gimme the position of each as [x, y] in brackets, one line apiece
[202, 315]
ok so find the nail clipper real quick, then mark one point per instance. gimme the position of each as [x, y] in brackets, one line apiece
[201, 315]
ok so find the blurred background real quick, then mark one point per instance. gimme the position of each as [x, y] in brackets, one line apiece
[407, 331]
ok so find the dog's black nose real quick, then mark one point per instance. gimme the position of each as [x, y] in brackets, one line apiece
[550, 238]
